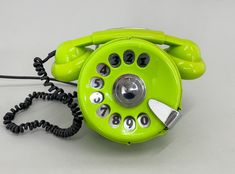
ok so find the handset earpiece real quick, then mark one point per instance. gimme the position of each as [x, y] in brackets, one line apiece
[186, 54]
[69, 59]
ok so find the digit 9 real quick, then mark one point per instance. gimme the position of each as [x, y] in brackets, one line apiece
[129, 123]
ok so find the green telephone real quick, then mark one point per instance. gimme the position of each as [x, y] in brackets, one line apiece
[123, 83]
[129, 89]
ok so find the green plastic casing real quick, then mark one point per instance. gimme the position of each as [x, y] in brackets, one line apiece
[70, 55]
[162, 76]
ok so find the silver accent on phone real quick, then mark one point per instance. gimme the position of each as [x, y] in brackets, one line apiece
[129, 90]
[167, 115]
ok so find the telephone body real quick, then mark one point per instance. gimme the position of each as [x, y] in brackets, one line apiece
[129, 88]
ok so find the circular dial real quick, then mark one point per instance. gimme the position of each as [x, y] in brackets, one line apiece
[117, 81]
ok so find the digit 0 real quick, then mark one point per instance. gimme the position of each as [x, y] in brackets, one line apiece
[143, 120]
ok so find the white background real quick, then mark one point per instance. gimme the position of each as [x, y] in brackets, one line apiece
[202, 142]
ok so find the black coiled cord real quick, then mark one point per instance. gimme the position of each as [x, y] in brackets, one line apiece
[55, 93]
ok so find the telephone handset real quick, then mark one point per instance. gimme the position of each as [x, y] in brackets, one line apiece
[129, 89]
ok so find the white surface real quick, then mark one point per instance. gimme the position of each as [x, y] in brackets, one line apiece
[202, 141]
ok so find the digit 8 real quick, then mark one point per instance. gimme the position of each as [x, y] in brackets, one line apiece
[116, 83]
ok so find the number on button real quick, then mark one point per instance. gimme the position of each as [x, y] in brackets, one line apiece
[103, 69]
[103, 110]
[129, 123]
[114, 60]
[115, 120]
[97, 83]
[96, 97]
[129, 57]
[143, 120]
[143, 60]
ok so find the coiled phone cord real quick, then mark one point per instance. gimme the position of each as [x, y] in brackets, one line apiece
[55, 94]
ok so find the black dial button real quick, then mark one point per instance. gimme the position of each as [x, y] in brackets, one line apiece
[143, 60]
[129, 56]
[114, 60]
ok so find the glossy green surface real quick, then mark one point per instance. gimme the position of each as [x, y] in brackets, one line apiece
[69, 60]
[71, 54]
[161, 78]
[188, 60]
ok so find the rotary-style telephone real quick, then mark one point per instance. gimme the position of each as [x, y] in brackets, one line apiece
[129, 89]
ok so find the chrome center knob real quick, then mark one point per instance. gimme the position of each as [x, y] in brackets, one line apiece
[129, 90]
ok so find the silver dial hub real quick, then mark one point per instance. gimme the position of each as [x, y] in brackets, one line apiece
[129, 90]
